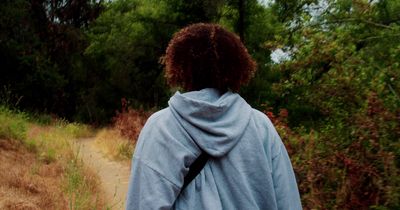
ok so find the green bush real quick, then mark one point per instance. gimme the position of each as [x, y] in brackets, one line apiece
[13, 125]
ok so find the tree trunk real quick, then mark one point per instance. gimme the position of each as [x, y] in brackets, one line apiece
[241, 19]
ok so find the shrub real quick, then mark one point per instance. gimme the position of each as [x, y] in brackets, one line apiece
[129, 122]
[346, 163]
[12, 125]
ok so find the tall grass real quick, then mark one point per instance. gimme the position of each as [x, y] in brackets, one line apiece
[113, 144]
[56, 143]
[81, 185]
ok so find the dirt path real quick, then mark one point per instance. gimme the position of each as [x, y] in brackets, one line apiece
[113, 175]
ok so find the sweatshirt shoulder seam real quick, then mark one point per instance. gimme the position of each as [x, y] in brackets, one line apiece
[156, 171]
[271, 128]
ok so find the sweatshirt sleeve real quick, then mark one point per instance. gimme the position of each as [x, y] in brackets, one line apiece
[149, 189]
[286, 191]
[159, 165]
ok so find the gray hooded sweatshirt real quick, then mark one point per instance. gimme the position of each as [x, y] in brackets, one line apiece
[249, 167]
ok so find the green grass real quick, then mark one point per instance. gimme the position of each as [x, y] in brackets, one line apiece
[13, 125]
[80, 185]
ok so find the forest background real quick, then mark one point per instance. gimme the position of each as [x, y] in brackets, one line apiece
[328, 76]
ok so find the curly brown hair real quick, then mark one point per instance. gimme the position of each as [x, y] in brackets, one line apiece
[207, 56]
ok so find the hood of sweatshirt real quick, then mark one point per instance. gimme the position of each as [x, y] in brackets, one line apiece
[214, 121]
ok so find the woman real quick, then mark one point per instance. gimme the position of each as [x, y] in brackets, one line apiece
[246, 163]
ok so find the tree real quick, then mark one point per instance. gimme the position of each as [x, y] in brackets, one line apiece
[127, 42]
[41, 47]
[340, 89]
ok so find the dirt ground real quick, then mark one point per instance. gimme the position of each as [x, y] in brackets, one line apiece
[114, 175]
[25, 182]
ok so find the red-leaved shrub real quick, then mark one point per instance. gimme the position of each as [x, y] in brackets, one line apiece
[130, 121]
[346, 170]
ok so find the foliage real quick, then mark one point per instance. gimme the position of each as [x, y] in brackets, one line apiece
[127, 41]
[40, 52]
[261, 27]
[129, 122]
[346, 69]
[13, 125]
[358, 174]
[188, 12]
[340, 88]
[61, 59]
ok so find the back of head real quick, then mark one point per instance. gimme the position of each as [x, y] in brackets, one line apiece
[208, 56]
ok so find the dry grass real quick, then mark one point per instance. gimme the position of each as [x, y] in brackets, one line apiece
[39, 167]
[82, 187]
[27, 183]
[114, 145]
[56, 144]
[118, 142]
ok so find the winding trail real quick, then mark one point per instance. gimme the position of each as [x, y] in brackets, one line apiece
[113, 175]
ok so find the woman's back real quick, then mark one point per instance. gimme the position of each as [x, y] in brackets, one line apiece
[248, 166]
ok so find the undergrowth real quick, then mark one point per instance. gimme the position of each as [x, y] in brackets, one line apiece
[129, 122]
[349, 163]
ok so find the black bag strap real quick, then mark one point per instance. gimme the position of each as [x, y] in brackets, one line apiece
[195, 169]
